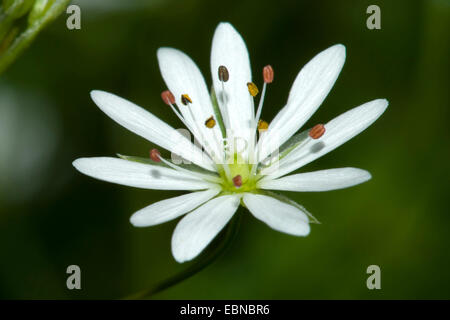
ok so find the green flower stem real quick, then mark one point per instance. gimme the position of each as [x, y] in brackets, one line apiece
[10, 45]
[197, 266]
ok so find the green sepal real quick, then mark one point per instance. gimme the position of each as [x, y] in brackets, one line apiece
[291, 202]
[292, 143]
[17, 8]
[38, 10]
[217, 113]
[187, 166]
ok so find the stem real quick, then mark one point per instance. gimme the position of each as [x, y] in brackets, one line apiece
[197, 266]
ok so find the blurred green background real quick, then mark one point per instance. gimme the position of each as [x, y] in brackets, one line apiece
[51, 216]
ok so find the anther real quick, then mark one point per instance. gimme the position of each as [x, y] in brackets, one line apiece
[167, 97]
[210, 122]
[262, 125]
[223, 74]
[317, 131]
[155, 155]
[185, 99]
[237, 181]
[252, 88]
[268, 74]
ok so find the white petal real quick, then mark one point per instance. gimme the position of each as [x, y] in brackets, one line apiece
[323, 180]
[170, 209]
[277, 214]
[310, 88]
[229, 50]
[140, 175]
[182, 76]
[337, 131]
[146, 125]
[197, 229]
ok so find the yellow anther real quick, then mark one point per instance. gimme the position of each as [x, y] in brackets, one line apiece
[253, 89]
[263, 125]
[185, 99]
[210, 122]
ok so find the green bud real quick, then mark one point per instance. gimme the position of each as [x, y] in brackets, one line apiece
[39, 9]
[17, 8]
[14, 38]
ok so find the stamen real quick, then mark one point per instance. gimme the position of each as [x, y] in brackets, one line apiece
[237, 181]
[268, 78]
[155, 155]
[268, 74]
[185, 99]
[210, 122]
[223, 74]
[262, 125]
[199, 133]
[252, 88]
[317, 131]
[167, 97]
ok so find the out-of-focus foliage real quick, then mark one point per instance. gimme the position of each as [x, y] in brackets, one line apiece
[52, 216]
[21, 21]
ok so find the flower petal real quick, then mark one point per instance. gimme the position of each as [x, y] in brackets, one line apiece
[169, 209]
[138, 175]
[277, 214]
[323, 180]
[337, 131]
[309, 90]
[182, 76]
[229, 50]
[197, 229]
[146, 125]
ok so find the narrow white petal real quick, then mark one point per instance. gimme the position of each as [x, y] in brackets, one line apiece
[310, 88]
[146, 125]
[229, 50]
[169, 209]
[337, 131]
[197, 229]
[323, 180]
[182, 76]
[277, 214]
[138, 175]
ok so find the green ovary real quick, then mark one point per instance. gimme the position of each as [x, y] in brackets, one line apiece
[238, 167]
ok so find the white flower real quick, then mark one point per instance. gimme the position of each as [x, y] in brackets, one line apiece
[242, 172]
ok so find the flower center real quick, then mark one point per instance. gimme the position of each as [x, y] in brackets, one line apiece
[239, 178]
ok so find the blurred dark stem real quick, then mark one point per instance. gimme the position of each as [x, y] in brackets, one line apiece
[198, 265]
